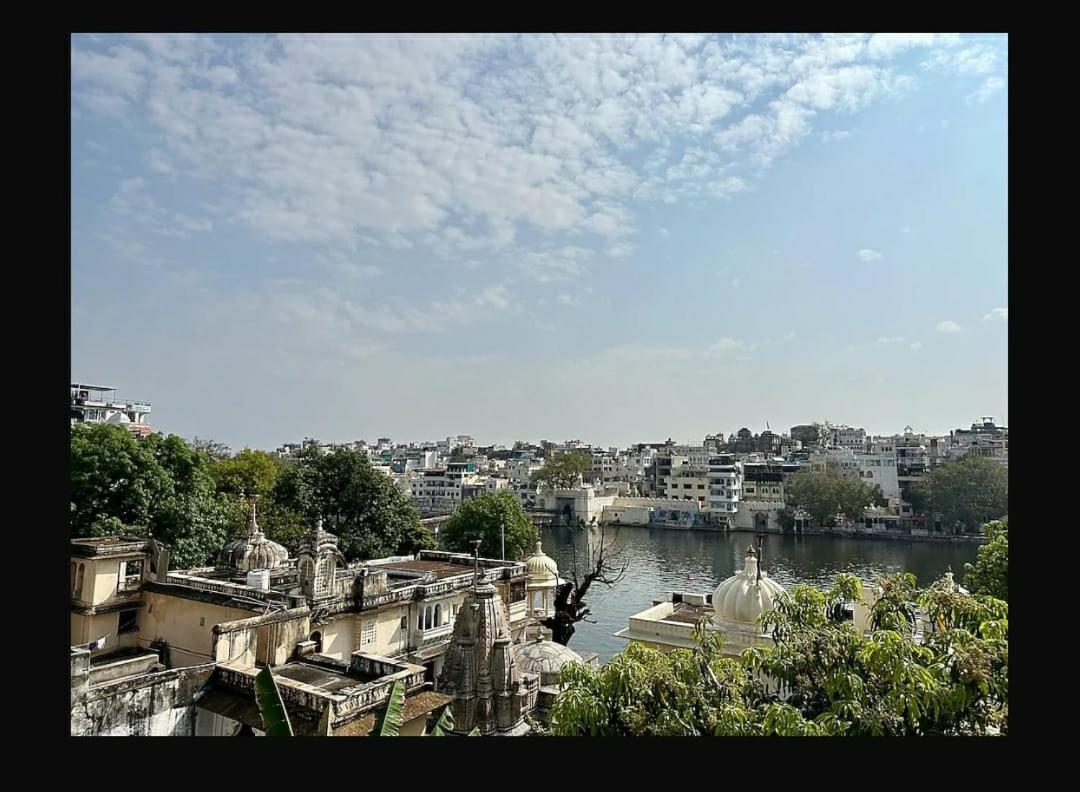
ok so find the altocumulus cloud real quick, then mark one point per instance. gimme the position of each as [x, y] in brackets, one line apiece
[868, 255]
[461, 143]
[949, 326]
[998, 314]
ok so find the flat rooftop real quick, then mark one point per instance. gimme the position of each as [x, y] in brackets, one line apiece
[442, 569]
[689, 614]
[108, 545]
[328, 680]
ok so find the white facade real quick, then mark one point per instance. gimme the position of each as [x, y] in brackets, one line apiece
[724, 485]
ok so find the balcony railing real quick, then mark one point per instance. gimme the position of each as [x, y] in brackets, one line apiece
[129, 583]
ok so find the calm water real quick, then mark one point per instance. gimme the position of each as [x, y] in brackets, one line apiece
[661, 559]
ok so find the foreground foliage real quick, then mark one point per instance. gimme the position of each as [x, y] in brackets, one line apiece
[822, 677]
[990, 572]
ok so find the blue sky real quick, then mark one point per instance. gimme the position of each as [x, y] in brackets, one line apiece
[616, 238]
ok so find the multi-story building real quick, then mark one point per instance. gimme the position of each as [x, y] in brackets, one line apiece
[764, 481]
[984, 438]
[688, 483]
[725, 486]
[847, 437]
[156, 651]
[100, 404]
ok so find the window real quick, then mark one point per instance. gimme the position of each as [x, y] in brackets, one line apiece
[79, 577]
[438, 615]
[420, 620]
[367, 635]
[427, 618]
[128, 622]
[404, 622]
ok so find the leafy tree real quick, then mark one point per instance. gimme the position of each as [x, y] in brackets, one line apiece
[361, 505]
[210, 448]
[152, 486]
[990, 573]
[489, 517]
[964, 493]
[561, 470]
[247, 473]
[823, 494]
[821, 676]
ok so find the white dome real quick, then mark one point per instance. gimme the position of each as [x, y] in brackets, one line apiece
[544, 658]
[743, 597]
[118, 418]
[540, 568]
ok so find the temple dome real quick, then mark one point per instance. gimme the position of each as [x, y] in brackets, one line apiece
[540, 568]
[252, 552]
[544, 658]
[743, 597]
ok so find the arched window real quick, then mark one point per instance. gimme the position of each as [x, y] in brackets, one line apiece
[317, 638]
[420, 620]
[427, 617]
[438, 615]
[74, 572]
[79, 577]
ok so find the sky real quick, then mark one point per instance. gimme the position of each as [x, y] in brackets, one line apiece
[616, 238]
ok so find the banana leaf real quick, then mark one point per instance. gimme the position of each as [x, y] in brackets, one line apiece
[272, 709]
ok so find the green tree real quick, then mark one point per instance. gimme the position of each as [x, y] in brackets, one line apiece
[249, 472]
[990, 573]
[964, 493]
[361, 505]
[490, 517]
[152, 486]
[821, 676]
[561, 470]
[823, 494]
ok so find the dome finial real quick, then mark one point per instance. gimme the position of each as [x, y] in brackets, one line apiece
[253, 527]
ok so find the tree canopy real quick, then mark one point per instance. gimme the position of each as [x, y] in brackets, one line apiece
[823, 494]
[561, 470]
[963, 493]
[151, 486]
[822, 677]
[485, 517]
[990, 573]
[361, 505]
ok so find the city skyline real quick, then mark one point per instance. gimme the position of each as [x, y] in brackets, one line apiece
[613, 238]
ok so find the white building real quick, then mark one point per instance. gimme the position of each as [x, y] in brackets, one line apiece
[99, 404]
[725, 485]
[984, 438]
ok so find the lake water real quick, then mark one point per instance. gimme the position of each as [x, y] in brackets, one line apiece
[660, 560]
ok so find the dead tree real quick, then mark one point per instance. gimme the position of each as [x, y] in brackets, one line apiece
[604, 566]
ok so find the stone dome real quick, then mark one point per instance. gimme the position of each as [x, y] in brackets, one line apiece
[544, 658]
[743, 597]
[541, 569]
[252, 552]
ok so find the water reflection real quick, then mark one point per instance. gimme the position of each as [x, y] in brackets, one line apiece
[662, 560]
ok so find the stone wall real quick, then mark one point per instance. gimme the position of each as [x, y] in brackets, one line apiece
[155, 705]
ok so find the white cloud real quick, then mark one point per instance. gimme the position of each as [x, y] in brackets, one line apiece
[728, 348]
[915, 346]
[735, 283]
[663, 231]
[949, 326]
[972, 60]
[788, 337]
[828, 136]
[990, 86]
[466, 142]
[887, 45]
[868, 255]
[884, 340]
[998, 314]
